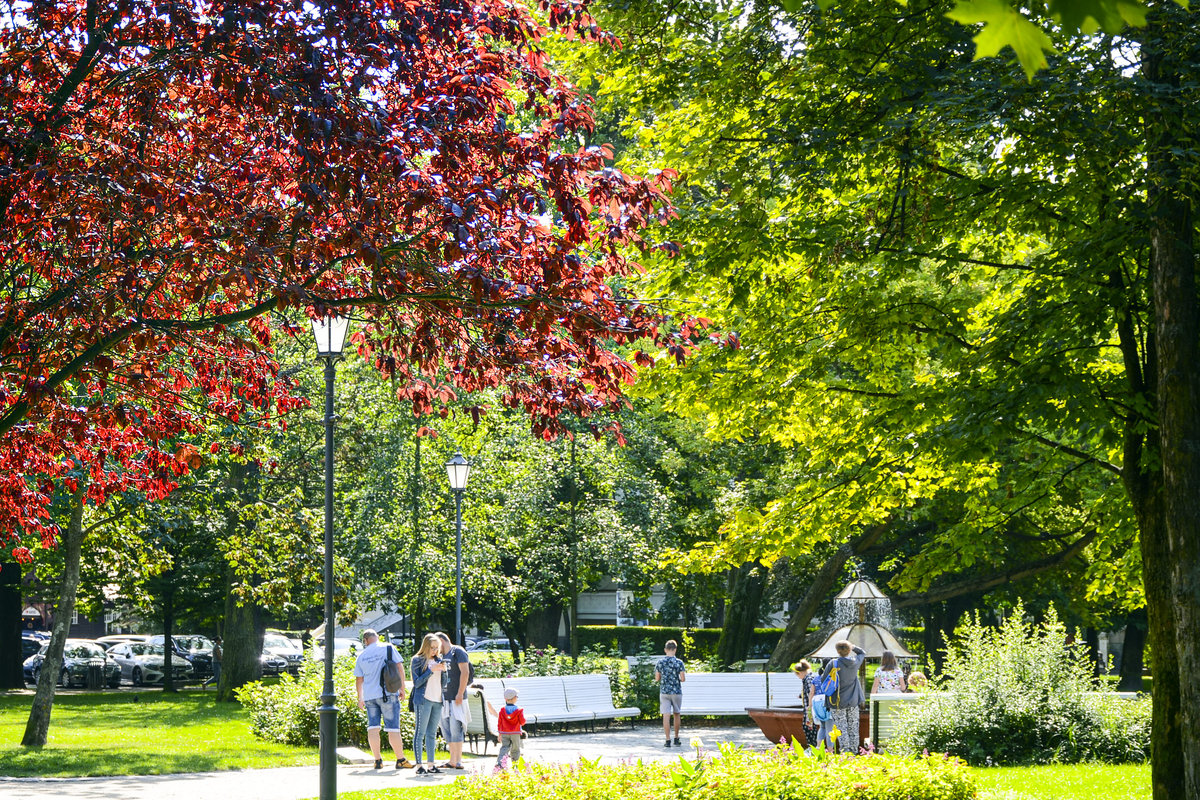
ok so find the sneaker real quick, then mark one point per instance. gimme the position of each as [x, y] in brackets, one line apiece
[677, 742]
[379, 763]
[403, 763]
[667, 743]
[432, 770]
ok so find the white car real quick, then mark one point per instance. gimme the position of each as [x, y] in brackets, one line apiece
[142, 663]
[286, 649]
[341, 647]
[489, 644]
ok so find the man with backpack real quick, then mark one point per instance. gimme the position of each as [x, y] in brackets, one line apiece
[379, 682]
[842, 693]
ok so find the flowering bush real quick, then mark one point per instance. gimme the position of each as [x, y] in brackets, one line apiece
[1022, 694]
[781, 774]
[286, 712]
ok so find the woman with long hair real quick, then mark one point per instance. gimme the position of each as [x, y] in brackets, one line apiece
[427, 700]
[889, 677]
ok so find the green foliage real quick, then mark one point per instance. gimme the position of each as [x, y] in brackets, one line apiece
[781, 774]
[1024, 694]
[286, 711]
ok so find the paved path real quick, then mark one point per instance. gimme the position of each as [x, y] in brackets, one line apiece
[295, 783]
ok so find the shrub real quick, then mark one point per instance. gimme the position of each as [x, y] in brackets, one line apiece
[628, 639]
[1022, 694]
[286, 711]
[781, 774]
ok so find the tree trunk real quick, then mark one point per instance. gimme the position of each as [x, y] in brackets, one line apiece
[38, 725]
[11, 675]
[1133, 652]
[741, 613]
[791, 645]
[1170, 50]
[242, 645]
[542, 626]
[244, 628]
[168, 621]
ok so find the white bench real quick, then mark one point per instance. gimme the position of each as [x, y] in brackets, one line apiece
[594, 693]
[545, 701]
[482, 724]
[723, 693]
[783, 689]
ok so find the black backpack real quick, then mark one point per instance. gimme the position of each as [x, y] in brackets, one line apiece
[391, 680]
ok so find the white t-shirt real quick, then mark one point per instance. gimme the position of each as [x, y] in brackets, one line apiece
[369, 664]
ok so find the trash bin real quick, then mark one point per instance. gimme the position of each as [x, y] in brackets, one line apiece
[95, 674]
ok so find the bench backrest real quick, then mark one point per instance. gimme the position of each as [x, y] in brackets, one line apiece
[493, 690]
[588, 693]
[543, 695]
[479, 724]
[784, 689]
[723, 692]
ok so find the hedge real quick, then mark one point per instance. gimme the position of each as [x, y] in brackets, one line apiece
[628, 639]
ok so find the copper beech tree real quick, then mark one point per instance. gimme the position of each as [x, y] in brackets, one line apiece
[173, 173]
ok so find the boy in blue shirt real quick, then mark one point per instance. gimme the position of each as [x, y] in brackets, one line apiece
[670, 675]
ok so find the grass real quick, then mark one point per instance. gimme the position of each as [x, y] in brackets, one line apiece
[1065, 782]
[419, 793]
[156, 734]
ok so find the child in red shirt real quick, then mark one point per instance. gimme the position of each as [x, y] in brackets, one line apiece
[510, 725]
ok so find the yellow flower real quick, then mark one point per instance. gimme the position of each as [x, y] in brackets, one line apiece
[697, 743]
[834, 734]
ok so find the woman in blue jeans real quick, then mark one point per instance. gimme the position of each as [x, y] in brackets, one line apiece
[427, 700]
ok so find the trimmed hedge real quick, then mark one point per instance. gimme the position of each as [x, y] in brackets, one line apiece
[627, 639]
[780, 774]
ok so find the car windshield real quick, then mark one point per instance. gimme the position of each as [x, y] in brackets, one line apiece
[84, 650]
[279, 642]
[194, 644]
[146, 649]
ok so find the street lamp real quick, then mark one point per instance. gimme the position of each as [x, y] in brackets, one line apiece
[330, 333]
[458, 468]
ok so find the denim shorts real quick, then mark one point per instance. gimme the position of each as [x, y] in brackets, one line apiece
[452, 729]
[386, 710]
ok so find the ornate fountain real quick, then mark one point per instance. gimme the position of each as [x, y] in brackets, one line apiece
[862, 614]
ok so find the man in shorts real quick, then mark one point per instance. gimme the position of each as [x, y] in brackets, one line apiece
[383, 709]
[670, 675]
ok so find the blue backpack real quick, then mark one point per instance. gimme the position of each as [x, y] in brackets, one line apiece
[829, 687]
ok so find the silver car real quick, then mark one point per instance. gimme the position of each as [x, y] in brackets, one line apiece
[142, 663]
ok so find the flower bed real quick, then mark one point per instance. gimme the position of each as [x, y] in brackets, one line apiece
[737, 774]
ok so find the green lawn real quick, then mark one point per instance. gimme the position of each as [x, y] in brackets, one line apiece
[114, 735]
[1074, 782]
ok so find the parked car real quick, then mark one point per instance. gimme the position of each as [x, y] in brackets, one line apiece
[120, 638]
[272, 664]
[489, 644]
[30, 645]
[78, 656]
[341, 647]
[283, 647]
[142, 663]
[195, 649]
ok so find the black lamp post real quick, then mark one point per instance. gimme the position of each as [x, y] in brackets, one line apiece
[330, 333]
[458, 468]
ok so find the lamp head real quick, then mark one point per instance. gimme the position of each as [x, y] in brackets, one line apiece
[458, 468]
[330, 333]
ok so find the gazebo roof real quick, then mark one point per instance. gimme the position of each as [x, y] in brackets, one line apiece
[861, 589]
[873, 639]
